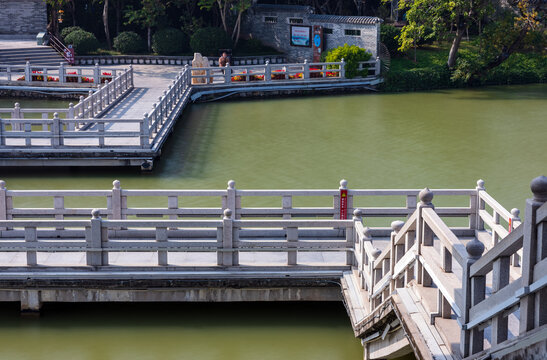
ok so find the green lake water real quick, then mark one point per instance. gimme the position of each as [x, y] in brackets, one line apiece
[440, 139]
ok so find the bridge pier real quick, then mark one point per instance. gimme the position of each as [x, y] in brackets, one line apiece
[31, 301]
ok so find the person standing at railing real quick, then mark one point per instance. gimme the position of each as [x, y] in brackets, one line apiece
[224, 60]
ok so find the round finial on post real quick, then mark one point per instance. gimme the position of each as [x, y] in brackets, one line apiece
[474, 248]
[366, 233]
[305, 61]
[343, 184]
[227, 214]
[145, 115]
[267, 62]
[397, 225]
[426, 196]
[357, 214]
[70, 106]
[515, 214]
[480, 184]
[231, 184]
[81, 98]
[539, 188]
[2, 184]
[116, 184]
[17, 105]
[56, 115]
[90, 93]
[375, 253]
[95, 214]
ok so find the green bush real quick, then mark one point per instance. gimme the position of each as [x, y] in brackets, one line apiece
[84, 42]
[68, 30]
[128, 42]
[434, 77]
[519, 69]
[352, 55]
[169, 41]
[208, 41]
[388, 35]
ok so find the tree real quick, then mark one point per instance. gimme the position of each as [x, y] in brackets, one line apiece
[105, 22]
[147, 16]
[54, 7]
[236, 6]
[440, 16]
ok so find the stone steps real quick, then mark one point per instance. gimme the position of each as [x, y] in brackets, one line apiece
[42, 55]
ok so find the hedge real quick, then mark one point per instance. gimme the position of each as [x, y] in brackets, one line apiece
[208, 41]
[169, 41]
[84, 42]
[128, 42]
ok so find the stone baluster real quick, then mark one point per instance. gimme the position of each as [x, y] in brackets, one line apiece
[97, 74]
[424, 234]
[533, 307]
[306, 73]
[56, 130]
[28, 73]
[397, 252]
[268, 72]
[471, 341]
[515, 221]
[94, 240]
[62, 75]
[342, 69]
[480, 204]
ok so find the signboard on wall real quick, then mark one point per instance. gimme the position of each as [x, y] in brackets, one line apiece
[300, 35]
[317, 42]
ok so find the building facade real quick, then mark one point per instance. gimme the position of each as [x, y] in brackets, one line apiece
[277, 26]
[22, 17]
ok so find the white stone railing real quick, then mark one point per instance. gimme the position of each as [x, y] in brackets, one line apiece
[272, 73]
[57, 75]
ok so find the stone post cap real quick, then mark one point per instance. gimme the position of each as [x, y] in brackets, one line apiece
[96, 214]
[231, 184]
[366, 233]
[357, 213]
[539, 188]
[56, 115]
[17, 105]
[397, 225]
[227, 213]
[2, 184]
[515, 213]
[343, 184]
[116, 184]
[426, 196]
[474, 249]
[375, 253]
[480, 184]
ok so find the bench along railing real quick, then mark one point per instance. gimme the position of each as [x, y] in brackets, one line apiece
[119, 204]
[52, 75]
[227, 237]
[59, 133]
[269, 73]
[169, 107]
[525, 294]
[93, 105]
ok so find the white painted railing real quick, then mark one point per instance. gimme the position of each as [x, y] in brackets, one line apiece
[272, 73]
[55, 75]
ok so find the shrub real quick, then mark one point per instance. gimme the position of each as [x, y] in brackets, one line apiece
[169, 41]
[352, 55]
[128, 42]
[208, 41]
[84, 42]
[434, 77]
[68, 30]
[388, 36]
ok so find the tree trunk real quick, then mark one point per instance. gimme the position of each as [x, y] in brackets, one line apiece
[119, 6]
[149, 36]
[455, 46]
[222, 11]
[237, 30]
[105, 21]
[73, 12]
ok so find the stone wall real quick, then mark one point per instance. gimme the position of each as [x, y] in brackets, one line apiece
[22, 17]
[260, 24]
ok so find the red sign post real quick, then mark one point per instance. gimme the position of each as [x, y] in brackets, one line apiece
[343, 204]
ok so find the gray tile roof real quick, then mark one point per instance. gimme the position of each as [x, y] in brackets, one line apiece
[281, 7]
[360, 20]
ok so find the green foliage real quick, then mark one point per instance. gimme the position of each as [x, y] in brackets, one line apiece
[208, 41]
[128, 42]
[388, 36]
[253, 47]
[148, 15]
[434, 77]
[352, 55]
[68, 30]
[84, 42]
[519, 69]
[169, 41]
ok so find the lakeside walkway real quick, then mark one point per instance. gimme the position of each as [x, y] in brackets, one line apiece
[419, 286]
[126, 121]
